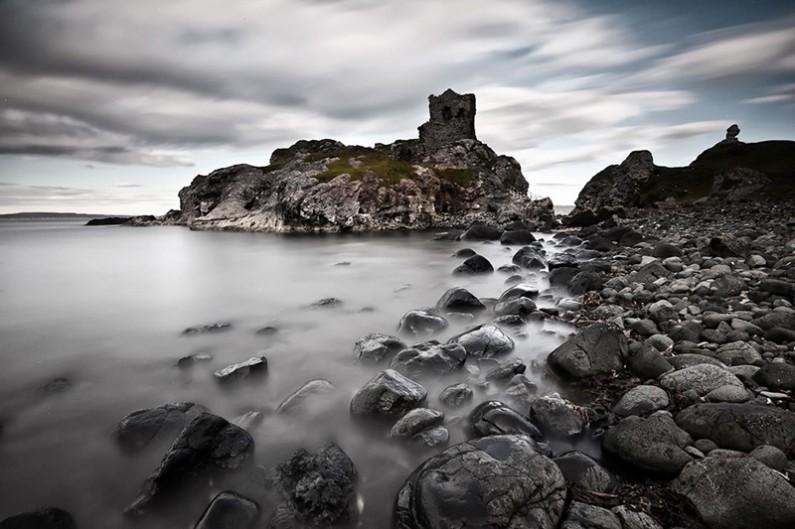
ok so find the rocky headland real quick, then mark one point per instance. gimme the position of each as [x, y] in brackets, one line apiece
[445, 178]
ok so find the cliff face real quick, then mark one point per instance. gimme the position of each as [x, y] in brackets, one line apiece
[730, 171]
[446, 178]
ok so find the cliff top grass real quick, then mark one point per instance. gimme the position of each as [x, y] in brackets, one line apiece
[775, 159]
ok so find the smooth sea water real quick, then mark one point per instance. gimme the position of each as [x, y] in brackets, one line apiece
[105, 307]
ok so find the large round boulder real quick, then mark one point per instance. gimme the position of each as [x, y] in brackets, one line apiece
[388, 394]
[499, 482]
[599, 348]
[655, 444]
[459, 299]
[484, 341]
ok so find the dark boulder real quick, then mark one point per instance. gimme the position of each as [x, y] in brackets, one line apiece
[599, 348]
[460, 300]
[522, 290]
[209, 328]
[481, 232]
[495, 418]
[46, 518]
[256, 365]
[429, 358]
[530, 258]
[516, 237]
[655, 444]
[739, 426]
[456, 395]
[562, 260]
[562, 277]
[522, 307]
[414, 422]
[586, 281]
[499, 482]
[776, 376]
[664, 250]
[581, 470]
[477, 264]
[229, 510]
[319, 490]
[486, 341]
[388, 395]
[376, 347]
[208, 440]
[557, 418]
[463, 253]
[140, 427]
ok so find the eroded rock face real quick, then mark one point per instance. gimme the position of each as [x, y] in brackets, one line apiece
[617, 186]
[499, 482]
[445, 178]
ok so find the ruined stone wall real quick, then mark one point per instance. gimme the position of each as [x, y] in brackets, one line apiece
[452, 119]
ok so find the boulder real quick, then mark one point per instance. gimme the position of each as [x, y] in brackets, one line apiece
[530, 258]
[414, 422]
[456, 395]
[45, 518]
[460, 300]
[485, 341]
[581, 470]
[617, 186]
[701, 378]
[429, 358]
[737, 353]
[557, 417]
[739, 426]
[641, 400]
[229, 509]
[777, 375]
[388, 395]
[209, 328]
[477, 264]
[655, 444]
[737, 493]
[497, 482]
[319, 490]
[376, 347]
[599, 348]
[312, 393]
[207, 440]
[255, 365]
[141, 427]
[481, 232]
[495, 418]
[584, 516]
[517, 237]
[422, 321]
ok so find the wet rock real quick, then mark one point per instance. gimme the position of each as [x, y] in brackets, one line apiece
[268, 330]
[728, 393]
[485, 341]
[530, 258]
[46, 518]
[770, 456]
[648, 363]
[495, 418]
[641, 400]
[701, 378]
[255, 365]
[308, 395]
[650, 273]
[429, 358]
[522, 307]
[207, 440]
[777, 375]
[557, 417]
[737, 493]
[189, 360]
[739, 426]
[389, 394]
[57, 385]
[460, 300]
[507, 371]
[584, 516]
[456, 395]
[249, 420]
[586, 281]
[422, 321]
[664, 250]
[435, 436]
[777, 287]
[229, 510]
[662, 312]
[414, 422]
[517, 237]
[728, 245]
[655, 444]
[318, 489]
[499, 481]
[481, 232]
[326, 303]
[141, 427]
[209, 328]
[632, 519]
[463, 253]
[377, 347]
[581, 470]
[599, 348]
[477, 264]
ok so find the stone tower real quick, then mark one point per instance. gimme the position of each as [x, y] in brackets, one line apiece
[452, 119]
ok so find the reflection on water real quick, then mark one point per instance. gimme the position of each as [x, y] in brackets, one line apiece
[104, 307]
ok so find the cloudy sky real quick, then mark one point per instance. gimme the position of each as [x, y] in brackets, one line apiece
[112, 106]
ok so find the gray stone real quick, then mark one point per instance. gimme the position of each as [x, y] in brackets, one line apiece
[229, 509]
[584, 516]
[641, 400]
[460, 300]
[777, 375]
[141, 427]
[495, 418]
[388, 394]
[581, 470]
[662, 312]
[728, 393]
[497, 481]
[635, 519]
[701, 378]
[422, 321]
[738, 493]
[770, 456]
[414, 422]
[431, 437]
[477, 264]
[599, 348]
[456, 395]
[655, 444]
[557, 417]
[735, 353]
[739, 426]
[429, 358]
[45, 518]
[253, 366]
[376, 347]
[484, 341]
[307, 396]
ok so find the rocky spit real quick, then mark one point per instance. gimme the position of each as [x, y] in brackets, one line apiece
[682, 369]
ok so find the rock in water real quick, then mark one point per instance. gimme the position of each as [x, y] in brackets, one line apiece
[429, 358]
[460, 300]
[422, 321]
[318, 489]
[139, 428]
[388, 395]
[229, 510]
[376, 347]
[498, 481]
[446, 177]
[484, 341]
[207, 440]
[47, 518]
[495, 418]
[310, 393]
[254, 365]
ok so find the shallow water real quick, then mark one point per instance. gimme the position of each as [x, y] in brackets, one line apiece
[105, 307]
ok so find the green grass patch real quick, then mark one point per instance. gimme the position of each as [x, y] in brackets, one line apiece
[371, 162]
[462, 177]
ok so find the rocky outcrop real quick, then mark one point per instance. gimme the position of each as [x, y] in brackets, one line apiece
[618, 185]
[445, 178]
